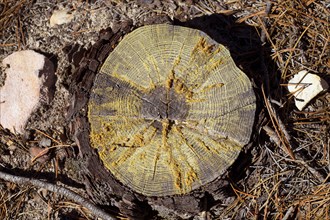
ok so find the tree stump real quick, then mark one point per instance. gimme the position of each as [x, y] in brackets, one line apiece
[166, 106]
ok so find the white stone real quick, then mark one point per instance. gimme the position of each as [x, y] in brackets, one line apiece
[306, 86]
[60, 17]
[30, 80]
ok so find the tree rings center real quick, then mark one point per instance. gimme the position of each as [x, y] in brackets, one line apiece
[164, 104]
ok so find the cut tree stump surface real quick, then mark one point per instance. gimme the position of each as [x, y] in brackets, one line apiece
[169, 110]
[159, 131]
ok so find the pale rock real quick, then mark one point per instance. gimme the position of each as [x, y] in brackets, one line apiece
[45, 142]
[306, 86]
[30, 82]
[60, 17]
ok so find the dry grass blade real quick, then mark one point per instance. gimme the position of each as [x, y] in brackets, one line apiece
[318, 201]
[11, 203]
[239, 192]
[284, 72]
[300, 32]
[46, 150]
[48, 136]
[11, 17]
[278, 126]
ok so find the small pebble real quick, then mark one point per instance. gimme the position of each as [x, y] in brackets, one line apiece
[59, 17]
[45, 142]
[305, 86]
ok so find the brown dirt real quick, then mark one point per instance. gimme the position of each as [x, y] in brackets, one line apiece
[282, 174]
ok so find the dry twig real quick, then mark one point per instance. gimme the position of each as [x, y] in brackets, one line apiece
[59, 190]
